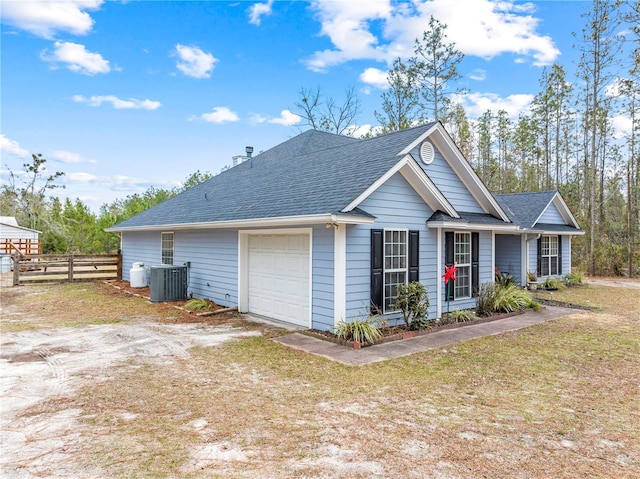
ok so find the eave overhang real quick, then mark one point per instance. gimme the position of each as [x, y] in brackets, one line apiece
[466, 225]
[331, 218]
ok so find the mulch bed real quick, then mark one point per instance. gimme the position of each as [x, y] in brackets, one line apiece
[399, 333]
[182, 314]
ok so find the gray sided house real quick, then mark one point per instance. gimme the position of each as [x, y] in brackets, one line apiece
[323, 228]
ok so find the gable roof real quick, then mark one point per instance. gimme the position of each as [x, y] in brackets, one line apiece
[12, 223]
[439, 136]
[526, 209]
[313, 177]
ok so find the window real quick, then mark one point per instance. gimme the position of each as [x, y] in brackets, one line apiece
[167, 248]
[549, 256]
[395, 266]
[462, 259]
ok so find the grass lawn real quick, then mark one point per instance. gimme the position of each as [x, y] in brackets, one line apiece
[557, 400]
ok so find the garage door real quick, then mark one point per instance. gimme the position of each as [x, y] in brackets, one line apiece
[279, 277]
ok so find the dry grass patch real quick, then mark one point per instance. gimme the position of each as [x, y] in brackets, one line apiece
[59, 305]
[554, 400]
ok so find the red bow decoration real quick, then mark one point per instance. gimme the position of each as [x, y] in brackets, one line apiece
[450, 273]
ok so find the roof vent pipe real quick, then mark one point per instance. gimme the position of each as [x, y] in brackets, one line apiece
[249, 150]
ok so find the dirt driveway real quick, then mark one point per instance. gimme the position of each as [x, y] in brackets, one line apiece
[40, 365]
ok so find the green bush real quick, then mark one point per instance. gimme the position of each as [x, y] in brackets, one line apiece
[413, 301]
[362, 330]
[457, 316]
[196, 304]
[552, 283]
[574, 278]
[495, 298]
[505, 279]
[462, 315]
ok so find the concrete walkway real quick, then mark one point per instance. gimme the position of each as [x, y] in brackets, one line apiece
[396, 349]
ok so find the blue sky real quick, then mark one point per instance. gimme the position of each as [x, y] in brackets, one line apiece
[124, 95]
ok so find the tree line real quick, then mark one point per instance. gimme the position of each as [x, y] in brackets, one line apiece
[565, 141]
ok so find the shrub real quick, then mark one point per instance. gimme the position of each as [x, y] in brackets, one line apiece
[495, 298]
[505, 279]
[461, 315]
[574, 278]
[552, 283]
[196, 304]
[413, 301]
[457, 316]
[362, 330]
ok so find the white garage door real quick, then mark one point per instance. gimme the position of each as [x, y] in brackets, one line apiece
[279, 277]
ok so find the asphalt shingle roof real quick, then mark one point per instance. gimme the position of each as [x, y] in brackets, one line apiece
[313, 173]
[525, 208]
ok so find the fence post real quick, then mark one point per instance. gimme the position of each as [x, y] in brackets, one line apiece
[16, 268]
[70, 268]
[119, 269]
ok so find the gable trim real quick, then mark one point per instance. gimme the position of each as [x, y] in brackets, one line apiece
[461, 167]
[562, 208]
[419, 181]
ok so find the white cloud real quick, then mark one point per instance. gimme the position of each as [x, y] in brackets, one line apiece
[347, 24]
[116, 182]
[491, 28]
[487, 29]
[44, 18]
[67, 157]
[194, 62]
[476, 104]
[621, 125]
[478, 75]
[81, 177]
[362, 130]
[375, 77]
[117, 103]
[259, 10]
[11, 147]
[220, 114]
[77, 58]
[257, 118]
[286, 118]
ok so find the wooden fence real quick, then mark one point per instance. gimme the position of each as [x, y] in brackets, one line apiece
[20, 245]
[41, 268]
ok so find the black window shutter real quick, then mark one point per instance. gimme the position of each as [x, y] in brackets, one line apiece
[449, 258]
[377, 270]
[559, 254]
[475, 263]
[539, 263]
[414, 256]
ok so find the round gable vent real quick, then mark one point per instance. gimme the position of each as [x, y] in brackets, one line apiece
[426, 152]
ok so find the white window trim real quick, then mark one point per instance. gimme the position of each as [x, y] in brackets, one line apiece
[404, 270]
[463, 265]
[173, 246]
[547, 258]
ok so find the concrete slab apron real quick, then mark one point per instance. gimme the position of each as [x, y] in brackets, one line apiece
[396, 349]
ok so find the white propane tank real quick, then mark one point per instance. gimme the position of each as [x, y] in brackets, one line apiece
[138, 276]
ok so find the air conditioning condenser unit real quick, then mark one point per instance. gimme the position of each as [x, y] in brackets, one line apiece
[168, 283]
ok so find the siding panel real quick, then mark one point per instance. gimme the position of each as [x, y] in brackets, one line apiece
[508, 255]
[322, 294]
[448, 182]
[552, 216]
[395, 205]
